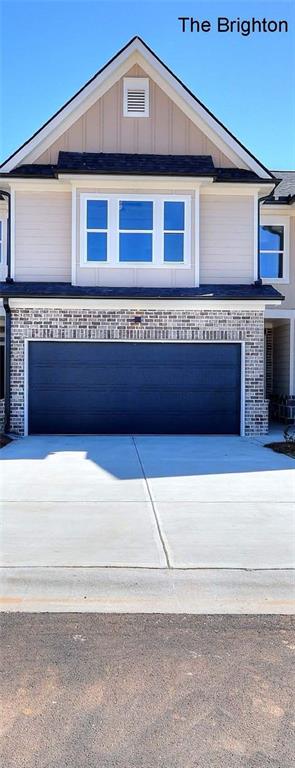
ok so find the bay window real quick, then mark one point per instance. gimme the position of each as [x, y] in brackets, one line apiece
[135, 230]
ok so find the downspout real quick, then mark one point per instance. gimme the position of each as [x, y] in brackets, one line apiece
[9, 279]
[7, 363]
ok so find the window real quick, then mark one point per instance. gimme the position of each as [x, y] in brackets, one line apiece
[97, 228]
[133, 230]
[274, 234]
[173, 231]
[136, 97]
[1, 241]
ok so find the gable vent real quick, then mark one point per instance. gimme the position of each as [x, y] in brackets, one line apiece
[136, 97]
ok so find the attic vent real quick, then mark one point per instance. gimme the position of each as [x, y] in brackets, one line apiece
[136, 97]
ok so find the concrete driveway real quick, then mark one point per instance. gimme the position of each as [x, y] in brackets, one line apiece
[146, 502]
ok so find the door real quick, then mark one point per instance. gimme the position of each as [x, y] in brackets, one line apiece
[134, 387]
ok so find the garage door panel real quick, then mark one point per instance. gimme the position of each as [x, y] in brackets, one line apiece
[100, 387]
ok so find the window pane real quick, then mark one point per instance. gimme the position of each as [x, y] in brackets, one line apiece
[173, 247]
[97, 214]
[272, 238]
[0, 230]
[136, 247]
[136, 214]
[174, 216]
[271, 265]
[96, 246]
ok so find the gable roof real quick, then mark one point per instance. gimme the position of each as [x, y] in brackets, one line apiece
[136, 50]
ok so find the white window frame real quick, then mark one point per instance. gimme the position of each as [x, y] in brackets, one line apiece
[2, 239]
[136, 83]
[282, 221]
[3, 249]
[113, 253]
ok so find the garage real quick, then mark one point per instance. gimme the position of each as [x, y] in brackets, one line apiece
[89, 387]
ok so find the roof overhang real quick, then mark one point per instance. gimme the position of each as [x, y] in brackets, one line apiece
[136, 51]
[139, 305]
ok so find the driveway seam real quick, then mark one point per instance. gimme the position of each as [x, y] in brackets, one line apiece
[157, 521]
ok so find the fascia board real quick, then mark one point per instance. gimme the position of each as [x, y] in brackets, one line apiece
[140, 304]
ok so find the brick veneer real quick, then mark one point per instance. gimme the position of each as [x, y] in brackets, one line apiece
[174, 324]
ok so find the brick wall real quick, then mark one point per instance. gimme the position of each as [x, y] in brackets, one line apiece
[176, 324]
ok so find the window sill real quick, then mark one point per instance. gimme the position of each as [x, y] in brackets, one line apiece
[133, 265]
[278, 280]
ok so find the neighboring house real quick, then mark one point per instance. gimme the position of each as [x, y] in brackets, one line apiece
[131, 285]
[278, 267]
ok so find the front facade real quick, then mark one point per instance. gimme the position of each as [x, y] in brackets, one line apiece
[130, 270]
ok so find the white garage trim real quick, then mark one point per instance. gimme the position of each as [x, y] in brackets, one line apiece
[142, 303]
[130, 341]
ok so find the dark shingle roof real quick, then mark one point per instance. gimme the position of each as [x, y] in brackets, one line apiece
[285, 191]
[34, 170]
[203, 292]
[136, 164]
[104, 162]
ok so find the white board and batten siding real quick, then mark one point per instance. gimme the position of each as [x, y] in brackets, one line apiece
[43, 239]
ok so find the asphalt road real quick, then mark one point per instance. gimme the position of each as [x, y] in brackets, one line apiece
[146, 691]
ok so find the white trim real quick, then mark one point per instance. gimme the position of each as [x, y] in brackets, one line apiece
[139, 341]
[207, 184]
[197, 113]
[136, 84]
[12, 233]
[279, 314]
[71, 112]
[197, 236]
[139, 304]
[283, 221]
[66, 181]
[255, 236]
[113, 232]
[3, 241]
[273, 210]
[136, 52]
[292, 356]
[74, 237]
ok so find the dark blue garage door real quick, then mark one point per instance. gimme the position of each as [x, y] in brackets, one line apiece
[96, 387]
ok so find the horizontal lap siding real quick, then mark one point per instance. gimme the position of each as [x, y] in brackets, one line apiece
[43, 236]
[281, 359]
[226, 239]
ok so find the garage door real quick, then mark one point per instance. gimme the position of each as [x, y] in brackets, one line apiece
[96, 387]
